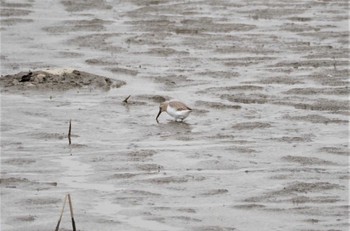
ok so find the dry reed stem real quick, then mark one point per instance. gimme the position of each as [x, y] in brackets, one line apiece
[69, 132]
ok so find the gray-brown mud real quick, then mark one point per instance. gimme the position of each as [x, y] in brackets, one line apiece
[56, 80]
[265, 148]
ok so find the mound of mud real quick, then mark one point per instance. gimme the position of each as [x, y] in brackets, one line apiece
[57, 79]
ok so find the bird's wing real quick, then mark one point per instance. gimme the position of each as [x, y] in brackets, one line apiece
[179, 106]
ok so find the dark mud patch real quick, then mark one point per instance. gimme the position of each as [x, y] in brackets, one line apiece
[251, 125]
[187, 210]
[141, 155]
[336, 150]
[214, 192]
[247, 98]
[320, 104]
[147, 39]
[206, 24]
[219, 74]
[338, 77]
[307, 160]
[27, 218]
[290, 80]
[138, 193]
[101, 62]
[54, 136]
[10, 12]
[13, 181]
[78, 25]
[168, 180]
[239, 88]
[42, 201]
[153, 98]
[294, 189]
[19, 161]
[244, 48]
[15, 5]
[294, 139]
[312, 221]
[81, 5]
[123, 175]
[249, 206]
[59, 79]
[166, 51]
[300, 19]
[141, 100]
[338, 212]
[215, 165]
[199, 112]
[149, 3]
[242, 149]
[325, 105]
[150, 167]
[274, 13]
[175, 179]
[172, 80]
[312, 118]
[213, 228]
[245, 62]
[317, 91]
[14, 21]
[316, 199]
[193, 26]
[16, 182]
[99, 41]
[311, 64]
[77, 146]
[162, 23]
[295, 27]
[69, 54]
[184, 219]
[123, 70]
[293, 170]
[216, 105]
[324, 51]
[341, 36]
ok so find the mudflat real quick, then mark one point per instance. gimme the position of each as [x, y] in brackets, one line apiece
[265, 148]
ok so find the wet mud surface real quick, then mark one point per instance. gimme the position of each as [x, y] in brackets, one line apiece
[265, 146]
[56, 80]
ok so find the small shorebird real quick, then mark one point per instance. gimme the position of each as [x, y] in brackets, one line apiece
[176, 109]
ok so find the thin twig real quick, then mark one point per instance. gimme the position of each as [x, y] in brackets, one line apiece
[59, 220]
[69, 132]
[126, 99]
[71, 212]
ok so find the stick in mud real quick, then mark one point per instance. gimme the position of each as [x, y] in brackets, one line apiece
[59, 220]
[71, 212]
[69, 132]
[126, 99]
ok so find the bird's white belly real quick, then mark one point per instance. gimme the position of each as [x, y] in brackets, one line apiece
[177, 114]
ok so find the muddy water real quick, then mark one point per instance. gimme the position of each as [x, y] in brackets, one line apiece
[266, 147]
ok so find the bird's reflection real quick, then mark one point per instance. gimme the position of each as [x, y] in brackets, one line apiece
[171, 127]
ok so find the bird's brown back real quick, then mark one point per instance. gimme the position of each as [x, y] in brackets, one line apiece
[179, 106]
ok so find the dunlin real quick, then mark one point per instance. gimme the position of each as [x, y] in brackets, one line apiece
[176, 109]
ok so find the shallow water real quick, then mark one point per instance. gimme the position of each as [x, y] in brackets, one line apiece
[266, 145]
